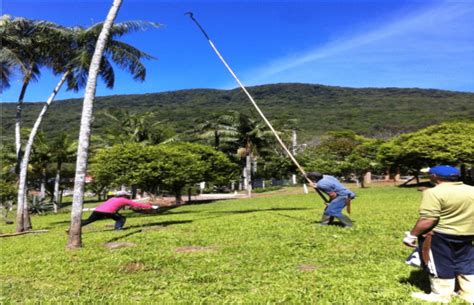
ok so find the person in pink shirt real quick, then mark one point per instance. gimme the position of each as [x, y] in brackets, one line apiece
[110, 208]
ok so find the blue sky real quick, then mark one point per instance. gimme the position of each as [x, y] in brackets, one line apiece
[385, 43]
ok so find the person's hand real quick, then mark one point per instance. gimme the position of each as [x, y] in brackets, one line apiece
[312, 184]
[410, 240]
[155, 207]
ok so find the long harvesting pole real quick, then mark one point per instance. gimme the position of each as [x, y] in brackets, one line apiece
[250, 98]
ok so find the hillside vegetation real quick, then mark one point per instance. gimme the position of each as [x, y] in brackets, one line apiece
[317, 109]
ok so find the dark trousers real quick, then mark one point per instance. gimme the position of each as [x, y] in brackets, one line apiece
[452, 255]
[119, 219]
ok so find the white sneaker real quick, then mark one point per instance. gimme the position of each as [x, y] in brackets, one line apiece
[467, 298]
[432, 297]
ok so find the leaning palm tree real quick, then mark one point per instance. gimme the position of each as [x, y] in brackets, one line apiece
[73, 60]
[75, 238]
[26, 46]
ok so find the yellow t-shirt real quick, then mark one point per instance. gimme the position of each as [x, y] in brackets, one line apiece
[453, 204]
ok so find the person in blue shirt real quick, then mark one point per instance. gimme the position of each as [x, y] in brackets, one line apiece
[339, 197]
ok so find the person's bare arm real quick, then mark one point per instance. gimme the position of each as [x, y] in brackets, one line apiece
[423, 225]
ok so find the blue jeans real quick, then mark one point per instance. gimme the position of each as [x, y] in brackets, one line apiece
[335, 206]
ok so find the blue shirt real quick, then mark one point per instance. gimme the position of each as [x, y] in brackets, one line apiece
[330, 184]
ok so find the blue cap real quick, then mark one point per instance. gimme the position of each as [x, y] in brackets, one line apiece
[444, 171]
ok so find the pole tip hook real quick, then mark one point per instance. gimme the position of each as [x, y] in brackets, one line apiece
[190, 14]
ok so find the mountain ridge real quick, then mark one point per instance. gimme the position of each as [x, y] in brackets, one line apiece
[380, 112]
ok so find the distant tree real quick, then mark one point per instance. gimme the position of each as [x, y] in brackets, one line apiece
[363, 159]
[62, 149]
[136, 127]
[170, 166]
[7, 178]
[330, 156]
[239, 135]
[219, 168]
[447, 143]
[120, 164]
[255, 139]
[220, 131]
[277, 166]
[40, 158]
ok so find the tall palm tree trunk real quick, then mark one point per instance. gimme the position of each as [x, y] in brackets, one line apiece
[75, 240]
[22, 216]
[43, 184]
[248, 172]
[19, 109]
[57, 194]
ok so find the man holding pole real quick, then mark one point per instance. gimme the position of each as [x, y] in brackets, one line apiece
[339, 197]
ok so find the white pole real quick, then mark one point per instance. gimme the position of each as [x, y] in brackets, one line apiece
[250, 98]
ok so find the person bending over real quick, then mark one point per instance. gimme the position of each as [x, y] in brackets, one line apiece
[338, 194]
[110, 208]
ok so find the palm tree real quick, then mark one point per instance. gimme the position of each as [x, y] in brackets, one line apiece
[25, 45]
[72, 54]
[40, 158]
[239, 134]
[136, 127]
[62, 149]
[6, 68]
[75, 239]
[254, 138]
[220, 130]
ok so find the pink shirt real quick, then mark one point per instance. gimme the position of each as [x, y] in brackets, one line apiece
[116, 203]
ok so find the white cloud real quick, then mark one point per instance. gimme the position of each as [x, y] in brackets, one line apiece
[414, 51]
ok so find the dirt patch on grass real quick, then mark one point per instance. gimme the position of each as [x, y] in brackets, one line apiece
[117, 245]
[132, 267]
[154, 228]
[193, 249]
[307, 267]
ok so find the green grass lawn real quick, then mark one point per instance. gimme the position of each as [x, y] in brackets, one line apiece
[260, 250]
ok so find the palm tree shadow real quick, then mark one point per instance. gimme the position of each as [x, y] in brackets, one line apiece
[258, 210]
[162, 224]
[123, 236]
[417, 278]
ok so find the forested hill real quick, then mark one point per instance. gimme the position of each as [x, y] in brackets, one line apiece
[317, 109]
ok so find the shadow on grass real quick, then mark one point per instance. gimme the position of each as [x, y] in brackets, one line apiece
[418, 278]
[162, 224]
[258, 210]
[311, 222]
[426, 184]
[123, 236]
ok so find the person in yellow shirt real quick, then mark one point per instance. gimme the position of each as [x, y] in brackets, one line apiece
[445, 233]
